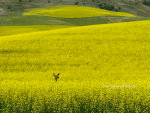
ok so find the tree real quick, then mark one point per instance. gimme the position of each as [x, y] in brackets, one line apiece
[76, 3]
[102, 5]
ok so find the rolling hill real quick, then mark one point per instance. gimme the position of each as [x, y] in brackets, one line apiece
[99, 66]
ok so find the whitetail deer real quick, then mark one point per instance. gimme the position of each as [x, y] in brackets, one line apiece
[56, 76]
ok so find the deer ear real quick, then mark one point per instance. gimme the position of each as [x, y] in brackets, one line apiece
[58, 74]
[54, 74]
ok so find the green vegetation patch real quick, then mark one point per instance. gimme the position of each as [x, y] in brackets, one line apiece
[11, 30]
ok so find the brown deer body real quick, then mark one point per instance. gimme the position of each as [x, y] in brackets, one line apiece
[56, 76]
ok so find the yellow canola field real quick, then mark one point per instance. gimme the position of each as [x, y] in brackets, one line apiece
[70, 11]
[103, 68]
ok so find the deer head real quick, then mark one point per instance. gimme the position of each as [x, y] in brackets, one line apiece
[56, 76]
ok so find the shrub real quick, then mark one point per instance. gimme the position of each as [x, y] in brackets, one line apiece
[109, 7]
[76, 3]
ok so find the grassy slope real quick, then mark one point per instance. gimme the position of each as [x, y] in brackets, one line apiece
[88, 58]
[43, 20]
[11, 30]
[137, 9]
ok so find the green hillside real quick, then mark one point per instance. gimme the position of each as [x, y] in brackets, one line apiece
[135, 7]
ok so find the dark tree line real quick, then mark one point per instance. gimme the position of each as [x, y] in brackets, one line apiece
[146, 2]
[100, 5]
[109, 7]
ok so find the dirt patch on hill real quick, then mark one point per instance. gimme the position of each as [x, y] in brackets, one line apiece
[2, 11]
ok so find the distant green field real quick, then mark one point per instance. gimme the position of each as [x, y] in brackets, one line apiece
[11, 30]
[103, 68]
[74, 12]
[44, 20]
